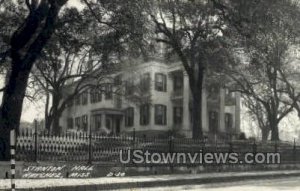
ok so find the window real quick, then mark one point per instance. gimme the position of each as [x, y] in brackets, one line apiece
[84, 120]
[84, 98]
[97, 119]
[95, 95]
[229, 93]
[70, 123]
[145, 82]
[144, 114]
[108, 123]
[213, 121]
[78, 99]
[108, 91]
[98, 95]
[118, 102]
[160, 82]
[228, 121]
[118, 80]
[77, 123]
[213, 91]
[177, 115]
[70, 103]
[178, 82]
[129, 117]
[129, 87]
[160, 114]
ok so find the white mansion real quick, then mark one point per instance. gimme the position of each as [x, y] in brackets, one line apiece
[156, 101]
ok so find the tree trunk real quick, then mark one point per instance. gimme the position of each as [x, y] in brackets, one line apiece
[12, 103]
[4, 144]
[26, 43]
[48, 122]
[197, 115]
[196, 84]
[274, 127]
[53, 121]
[56, 128]
[55, 113]
[47, 126]
[265, 133]
[275, 133]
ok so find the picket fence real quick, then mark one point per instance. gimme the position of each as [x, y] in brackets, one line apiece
[33, 146]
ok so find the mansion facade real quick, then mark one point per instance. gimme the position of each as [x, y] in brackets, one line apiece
[152, 99]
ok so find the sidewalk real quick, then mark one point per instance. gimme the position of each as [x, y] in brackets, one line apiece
[108, 183]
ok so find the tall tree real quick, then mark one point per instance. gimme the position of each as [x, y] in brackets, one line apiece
[26, 44]
[77, 59]
[290, 75]
[258, 114]
[96, 38]
[192, 31]
[127, 24]
[266, 30]
[64, 76]
[8, 24]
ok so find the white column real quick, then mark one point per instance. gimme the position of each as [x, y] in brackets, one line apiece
[186, 126]
[151, 106]
[222, 111]
[237, 112]
[204, 110]
[169, 116]
[169, 103]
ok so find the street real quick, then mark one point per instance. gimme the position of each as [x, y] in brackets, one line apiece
[286, 184]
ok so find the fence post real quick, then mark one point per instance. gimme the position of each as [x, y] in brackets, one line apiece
[171, 144]
[171, 150]
[12, 158]
[230, 147]
[254, 147]
[90, 146]
[35, 140]
[216, 143]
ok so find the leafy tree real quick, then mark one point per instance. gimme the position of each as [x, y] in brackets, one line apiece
[257, 111]
[8, 24]
[266, 30]
[77, 59]
[95, 38]
[127, 25]
[26, 44]
[192, 31]
[290, 76]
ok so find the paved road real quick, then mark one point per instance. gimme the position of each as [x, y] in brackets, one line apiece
[288, 184]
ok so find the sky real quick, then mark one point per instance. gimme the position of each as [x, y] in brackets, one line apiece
[75, 3]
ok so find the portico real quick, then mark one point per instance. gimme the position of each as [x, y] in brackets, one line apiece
[107, 121]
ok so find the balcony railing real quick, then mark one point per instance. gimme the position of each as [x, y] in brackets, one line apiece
[230, 101]
[177, 94]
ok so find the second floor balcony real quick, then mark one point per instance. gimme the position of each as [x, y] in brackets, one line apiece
[230, 101]
[177, 94]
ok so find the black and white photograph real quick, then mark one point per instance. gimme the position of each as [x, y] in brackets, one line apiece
[149, 95]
